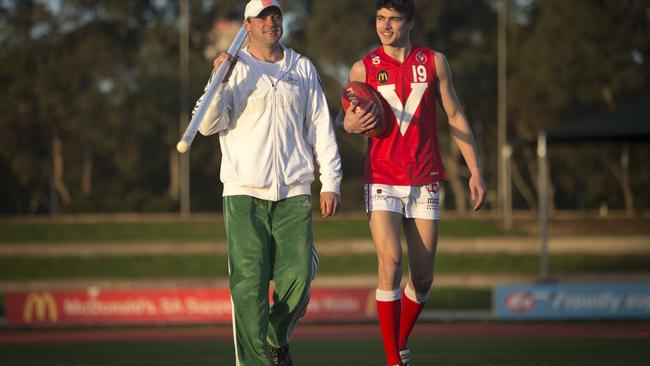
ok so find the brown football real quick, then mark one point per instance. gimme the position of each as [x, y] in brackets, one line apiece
[364, 93]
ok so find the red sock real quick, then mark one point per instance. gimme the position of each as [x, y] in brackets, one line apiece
[409, 315]
[388, 313]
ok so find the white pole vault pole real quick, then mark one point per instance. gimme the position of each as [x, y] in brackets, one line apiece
[186, 141]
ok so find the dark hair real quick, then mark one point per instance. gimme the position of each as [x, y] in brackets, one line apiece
[405, 7]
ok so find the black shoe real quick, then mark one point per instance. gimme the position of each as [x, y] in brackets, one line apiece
[279, 356]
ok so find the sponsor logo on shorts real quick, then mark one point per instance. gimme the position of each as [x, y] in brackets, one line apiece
[433, 203]
[382, 77]
[378, 195]
[432, 188]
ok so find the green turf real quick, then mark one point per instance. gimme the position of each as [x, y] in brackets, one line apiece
[210, 266]
[426, 352]
[482, 351]
[459, 299]
[102, 232]
[208, 231]
[113, 267]
[496, 263]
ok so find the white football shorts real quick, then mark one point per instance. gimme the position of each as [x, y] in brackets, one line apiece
[412, 202]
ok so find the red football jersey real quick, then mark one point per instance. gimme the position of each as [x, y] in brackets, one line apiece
[407, 153]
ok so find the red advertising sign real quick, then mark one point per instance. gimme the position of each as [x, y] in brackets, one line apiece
[341, 304]
[164, 306]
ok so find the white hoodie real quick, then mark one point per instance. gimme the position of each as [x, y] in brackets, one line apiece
[270, 132]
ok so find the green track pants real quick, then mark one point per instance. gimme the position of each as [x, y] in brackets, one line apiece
[267, 241]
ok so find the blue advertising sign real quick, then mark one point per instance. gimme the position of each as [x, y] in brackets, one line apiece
[571, 301]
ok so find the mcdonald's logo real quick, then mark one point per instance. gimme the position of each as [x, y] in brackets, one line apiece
[41, 306]
[382, 77]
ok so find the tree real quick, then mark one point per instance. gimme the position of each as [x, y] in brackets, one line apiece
[571, 59]
[90, 98]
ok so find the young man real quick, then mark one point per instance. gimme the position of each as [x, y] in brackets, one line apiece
[403, 166]
[273, 122]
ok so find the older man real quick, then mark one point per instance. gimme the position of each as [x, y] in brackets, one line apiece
[273, 124]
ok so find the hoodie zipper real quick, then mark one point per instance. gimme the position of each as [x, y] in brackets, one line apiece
[274, 122]
[276, 154]
[276, 128]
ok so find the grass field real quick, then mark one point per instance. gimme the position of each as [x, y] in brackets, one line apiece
[209, 231]
[597, 349]
[438, 351]
[196, 266]
[214, 266]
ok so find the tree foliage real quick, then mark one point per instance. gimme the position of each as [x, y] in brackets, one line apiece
[90, 104]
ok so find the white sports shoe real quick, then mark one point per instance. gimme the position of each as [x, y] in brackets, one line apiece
[405, 356]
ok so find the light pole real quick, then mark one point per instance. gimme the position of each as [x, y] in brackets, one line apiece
[504, 151]
[542, 197]
[184, 159]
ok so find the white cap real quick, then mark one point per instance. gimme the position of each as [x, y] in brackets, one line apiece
[255, 7]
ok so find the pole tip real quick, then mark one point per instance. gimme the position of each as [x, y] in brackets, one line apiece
[182, 147]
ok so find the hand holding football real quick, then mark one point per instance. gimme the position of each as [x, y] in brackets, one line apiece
[364, 94]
